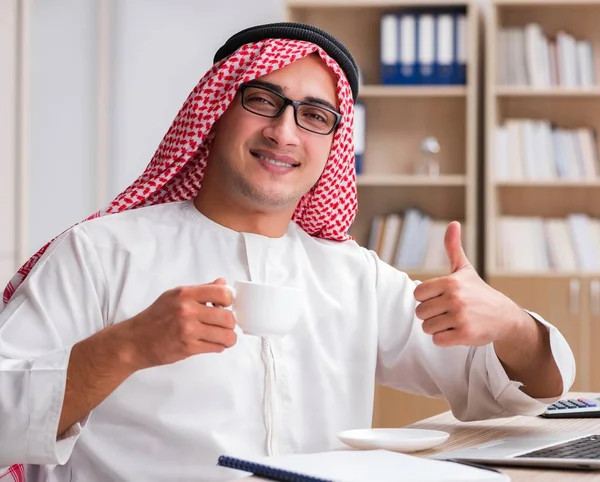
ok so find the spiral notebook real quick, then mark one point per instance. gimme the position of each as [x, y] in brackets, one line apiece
[359, 466]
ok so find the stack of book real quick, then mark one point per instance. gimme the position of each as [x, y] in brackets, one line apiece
[360, 135]
[548, 244]
[410, 240]
[424, 46]
[529, 149]
[526, 57]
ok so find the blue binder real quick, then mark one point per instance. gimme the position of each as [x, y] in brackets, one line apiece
[389, 48]
[460, 48]
[430, 46]
[408, 34]
[426, 42]
[445, 63]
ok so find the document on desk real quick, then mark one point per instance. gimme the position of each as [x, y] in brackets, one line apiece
[359, 466]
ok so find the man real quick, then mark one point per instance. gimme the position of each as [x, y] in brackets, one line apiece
[119, 359]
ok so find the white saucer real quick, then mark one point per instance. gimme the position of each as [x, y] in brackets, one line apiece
[395, 439]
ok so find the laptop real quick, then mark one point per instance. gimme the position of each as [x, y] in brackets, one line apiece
[558, 450]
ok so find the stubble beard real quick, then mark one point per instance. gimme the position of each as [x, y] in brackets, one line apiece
[263, 197]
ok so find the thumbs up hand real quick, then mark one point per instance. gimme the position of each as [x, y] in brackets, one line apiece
[460, 308]
[454, 250]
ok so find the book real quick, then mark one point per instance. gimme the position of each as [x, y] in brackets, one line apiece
[359, 465]
[360, 135]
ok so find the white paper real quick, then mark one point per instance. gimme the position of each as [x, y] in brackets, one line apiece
[378, 465]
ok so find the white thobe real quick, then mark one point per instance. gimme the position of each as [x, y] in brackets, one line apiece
[260, 397]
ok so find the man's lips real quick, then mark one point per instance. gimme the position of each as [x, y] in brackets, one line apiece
[274, 159]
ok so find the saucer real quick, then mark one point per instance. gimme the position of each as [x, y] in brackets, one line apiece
[394, 439]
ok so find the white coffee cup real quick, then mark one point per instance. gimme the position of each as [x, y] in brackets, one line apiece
[266, 310]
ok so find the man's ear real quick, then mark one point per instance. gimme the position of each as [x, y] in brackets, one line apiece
[211, 135]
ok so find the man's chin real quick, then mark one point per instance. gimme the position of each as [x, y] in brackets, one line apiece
[270, 201]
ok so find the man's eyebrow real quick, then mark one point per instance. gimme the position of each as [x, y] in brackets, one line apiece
[277, 88]
[323, 102]
[268, 85]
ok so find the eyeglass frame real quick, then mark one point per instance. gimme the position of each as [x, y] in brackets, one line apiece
[294, 103]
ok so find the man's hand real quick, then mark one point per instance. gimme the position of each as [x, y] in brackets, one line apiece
[461, 309]
[181, 323]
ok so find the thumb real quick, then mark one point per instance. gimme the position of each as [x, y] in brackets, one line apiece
[219, 281]
[452, 243]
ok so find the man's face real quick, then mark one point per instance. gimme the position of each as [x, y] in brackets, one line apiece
[272, 162]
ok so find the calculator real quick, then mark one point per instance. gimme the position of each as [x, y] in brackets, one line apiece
[573, 408]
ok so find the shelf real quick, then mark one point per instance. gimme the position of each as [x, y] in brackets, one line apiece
[417, 274]
[540, 3]
[558, 183]
[510, 91]
[541, 274]
[564, 295]
[373, 3]
[557, 201]
[370, 91]
[409, 180]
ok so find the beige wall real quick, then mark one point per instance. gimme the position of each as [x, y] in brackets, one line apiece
[102, 81]
[8, 67]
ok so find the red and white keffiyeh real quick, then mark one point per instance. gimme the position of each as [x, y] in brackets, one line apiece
[176, 169]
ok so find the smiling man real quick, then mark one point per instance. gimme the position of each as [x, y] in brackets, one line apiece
[269, 150]
[118, 360]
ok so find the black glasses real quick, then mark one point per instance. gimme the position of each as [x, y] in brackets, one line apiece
[308, 115]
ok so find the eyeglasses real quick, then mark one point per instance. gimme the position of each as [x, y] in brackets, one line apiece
[308, 115]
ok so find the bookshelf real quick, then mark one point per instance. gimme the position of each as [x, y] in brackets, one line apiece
[398, 118]
[566, 293]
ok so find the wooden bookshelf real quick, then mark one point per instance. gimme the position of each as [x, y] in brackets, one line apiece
[570, 299]
[400, 180]
[367, 3]
[398, 118]
[553, 92]
[368, 91]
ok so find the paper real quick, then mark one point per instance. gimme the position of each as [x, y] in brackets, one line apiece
[379, 466]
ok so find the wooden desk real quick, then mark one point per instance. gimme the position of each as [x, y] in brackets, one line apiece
[464, 434]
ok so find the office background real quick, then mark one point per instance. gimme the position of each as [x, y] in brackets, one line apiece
[89, 87]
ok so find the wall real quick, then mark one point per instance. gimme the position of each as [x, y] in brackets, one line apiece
[8, 132]
[60, 92]
[101, 82]
[164, 49]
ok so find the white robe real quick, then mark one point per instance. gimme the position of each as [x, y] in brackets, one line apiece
[259, 397]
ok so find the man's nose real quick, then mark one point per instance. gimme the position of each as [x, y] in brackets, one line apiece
[283, 129]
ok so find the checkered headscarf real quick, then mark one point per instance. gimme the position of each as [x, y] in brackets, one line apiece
[175, 172]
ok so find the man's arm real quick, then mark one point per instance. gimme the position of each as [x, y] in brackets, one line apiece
[447, 349]
[526, 356]
[461, 309]
[176, 326]
[97, 366]
[58, 359]
[60, 303]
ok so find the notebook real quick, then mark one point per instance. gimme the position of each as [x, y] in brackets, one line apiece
[359, 466]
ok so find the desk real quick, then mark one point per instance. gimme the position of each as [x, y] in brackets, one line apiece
[464, 434]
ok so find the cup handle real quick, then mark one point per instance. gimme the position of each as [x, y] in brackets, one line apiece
[238, 329]
[232, 289]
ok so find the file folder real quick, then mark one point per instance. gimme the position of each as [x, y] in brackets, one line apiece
[360, 124]
[445, 38]
[408, 72]
[389, 48]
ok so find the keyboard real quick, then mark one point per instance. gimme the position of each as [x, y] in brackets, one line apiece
[573, 408]
[582, 448]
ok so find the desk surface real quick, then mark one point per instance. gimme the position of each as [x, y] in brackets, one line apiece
[464, 434]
